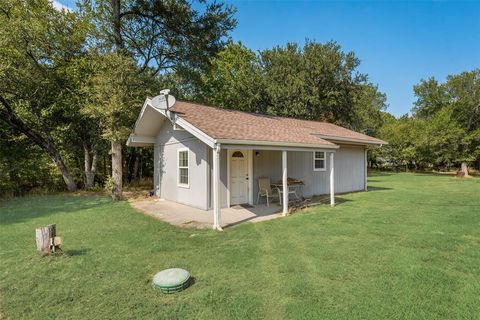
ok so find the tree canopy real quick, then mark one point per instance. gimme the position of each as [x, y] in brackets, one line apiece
[314, 82]
[444, 129]
[73, 82]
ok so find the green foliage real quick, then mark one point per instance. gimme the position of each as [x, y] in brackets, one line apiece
[407, 249]
[114, 95]
[163, 35]
[444, 129]
[109, 184]
[38, 46]
[234, 80]
[24, 167]
[316, 82]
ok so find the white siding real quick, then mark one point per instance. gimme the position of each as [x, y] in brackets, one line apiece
[166, 170]
[349, 170]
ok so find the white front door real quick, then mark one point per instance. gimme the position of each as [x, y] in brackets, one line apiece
[238, 177]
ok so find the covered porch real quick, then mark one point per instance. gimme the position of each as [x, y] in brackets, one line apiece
[237, 168]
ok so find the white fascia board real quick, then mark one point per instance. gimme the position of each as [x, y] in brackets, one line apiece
[352, 140]
[277, 145]
[273, 148]
[148, 102]
[194, 131]
[140, 141]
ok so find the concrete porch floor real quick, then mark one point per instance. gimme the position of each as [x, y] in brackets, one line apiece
[185, 216]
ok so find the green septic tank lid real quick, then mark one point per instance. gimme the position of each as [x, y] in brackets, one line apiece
[171, 280]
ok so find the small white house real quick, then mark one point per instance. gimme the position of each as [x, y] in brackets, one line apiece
[213, 158]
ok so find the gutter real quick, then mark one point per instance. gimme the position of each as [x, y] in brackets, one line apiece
[343, 139]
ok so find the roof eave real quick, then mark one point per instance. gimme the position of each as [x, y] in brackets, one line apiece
[276, 143]
[337, 139]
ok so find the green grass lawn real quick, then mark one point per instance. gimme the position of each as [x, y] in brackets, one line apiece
[407, 249]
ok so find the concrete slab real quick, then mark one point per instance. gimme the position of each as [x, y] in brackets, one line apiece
[185, 216]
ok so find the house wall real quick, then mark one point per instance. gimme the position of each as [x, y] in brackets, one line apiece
[168, 141]
[349, 170]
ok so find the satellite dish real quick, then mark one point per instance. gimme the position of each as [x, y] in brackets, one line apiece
[163, 101]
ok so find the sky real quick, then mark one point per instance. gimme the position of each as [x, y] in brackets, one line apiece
[398, 42]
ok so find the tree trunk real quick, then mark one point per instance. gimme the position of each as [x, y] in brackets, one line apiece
[465, 168]
[45, 143]
[90, 167]
[135, 168]
[117, 24]
[55, 156]
[117, 170]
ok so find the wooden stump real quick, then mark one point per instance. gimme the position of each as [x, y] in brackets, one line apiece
[47, 240]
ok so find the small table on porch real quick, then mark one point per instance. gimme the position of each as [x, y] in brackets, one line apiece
[294, 187]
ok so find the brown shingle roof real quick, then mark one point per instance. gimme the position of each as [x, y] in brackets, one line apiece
[221, 123]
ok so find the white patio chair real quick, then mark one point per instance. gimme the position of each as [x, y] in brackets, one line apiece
[265, 190]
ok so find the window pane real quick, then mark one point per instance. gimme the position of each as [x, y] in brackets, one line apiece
[183, 176]
[183, 159]
[319, 155]
[237, 154]
[319, 164]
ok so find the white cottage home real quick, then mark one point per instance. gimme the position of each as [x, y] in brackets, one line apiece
[213, 158]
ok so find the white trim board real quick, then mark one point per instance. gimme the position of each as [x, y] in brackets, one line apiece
[272, 148]
[336, 139]
[254, 144]
[179, 184]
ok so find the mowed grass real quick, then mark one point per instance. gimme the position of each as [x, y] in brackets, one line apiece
[407, 249]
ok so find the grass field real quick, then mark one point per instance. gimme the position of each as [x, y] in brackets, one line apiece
[407, 249]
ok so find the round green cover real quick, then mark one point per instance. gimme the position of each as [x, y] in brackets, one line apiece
[171, 278]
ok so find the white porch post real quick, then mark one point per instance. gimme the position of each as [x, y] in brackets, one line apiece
[284, 183]
[332, 180]
[366, 169]
[217, 220]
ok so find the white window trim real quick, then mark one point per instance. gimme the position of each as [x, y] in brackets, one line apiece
[183, 185]
[324, 161]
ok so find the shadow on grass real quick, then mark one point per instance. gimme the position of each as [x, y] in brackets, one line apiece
[372, 188]
[26, 208]
[374, 173]
[325, 200]
[76, 252]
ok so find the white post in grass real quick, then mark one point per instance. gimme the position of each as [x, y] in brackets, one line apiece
[366, 169]
[284, 183]
[217, 221]
[332, 180]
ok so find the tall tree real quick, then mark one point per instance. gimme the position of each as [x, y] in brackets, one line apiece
[37, 45]
[159, 36]
[114, 94]
[163, 34]
[318, 82]
[315, 82]
[234, 80]
[452, 107]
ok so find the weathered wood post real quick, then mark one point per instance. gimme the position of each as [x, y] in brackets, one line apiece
[47, 240]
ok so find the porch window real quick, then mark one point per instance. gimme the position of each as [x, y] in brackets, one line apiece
[183, 168]
[319, 161]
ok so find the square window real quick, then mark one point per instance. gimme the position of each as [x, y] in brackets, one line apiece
[319, 161]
